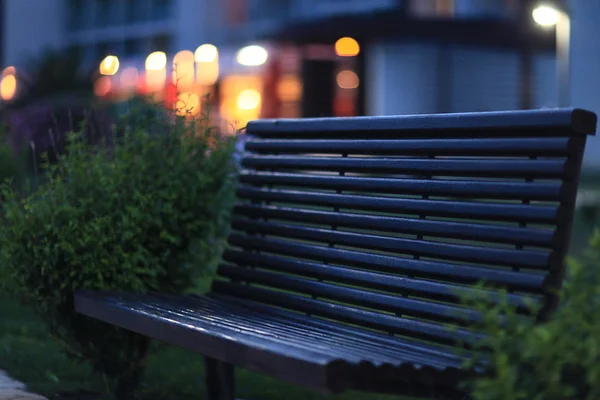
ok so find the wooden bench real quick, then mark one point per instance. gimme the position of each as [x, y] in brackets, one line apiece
[353, 240]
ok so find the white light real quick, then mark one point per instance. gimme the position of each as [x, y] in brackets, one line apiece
[156, 61]
[206, 53]
[546, 15]
[252, 56]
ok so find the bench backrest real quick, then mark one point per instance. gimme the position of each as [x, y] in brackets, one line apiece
[383, 222]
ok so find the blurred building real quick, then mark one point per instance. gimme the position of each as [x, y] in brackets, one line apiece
[284, 58]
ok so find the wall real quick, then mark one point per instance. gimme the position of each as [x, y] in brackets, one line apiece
[544, 83]
[30, 27]
[427, 78]
[484, 80]
[585, 67]
[401, 78]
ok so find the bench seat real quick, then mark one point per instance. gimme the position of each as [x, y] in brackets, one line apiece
[321, 354]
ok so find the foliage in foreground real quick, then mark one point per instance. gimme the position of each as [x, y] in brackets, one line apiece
[556, 360]
[146, 213]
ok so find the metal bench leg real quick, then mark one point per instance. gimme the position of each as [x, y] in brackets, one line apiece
[220, 380]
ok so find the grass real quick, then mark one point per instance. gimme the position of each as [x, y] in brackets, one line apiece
[27, 354]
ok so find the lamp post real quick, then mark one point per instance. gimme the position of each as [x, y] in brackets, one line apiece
[549, 16]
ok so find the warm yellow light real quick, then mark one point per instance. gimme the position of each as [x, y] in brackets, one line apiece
[8, 87]
[347, 47]
[109, 66]
[248, 99]
[289, 88]
[545, 15]
[187, 104]
[252, 56]
[183, 69]
[206, 53]
[347, 79]
[102, 86]
[156, 61]
[207, 73]
[9, 71]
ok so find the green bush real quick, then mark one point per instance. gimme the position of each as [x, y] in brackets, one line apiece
[12, 161]
[146, 214]
[558, 359]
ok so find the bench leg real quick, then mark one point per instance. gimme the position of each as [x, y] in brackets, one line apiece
[220, 380]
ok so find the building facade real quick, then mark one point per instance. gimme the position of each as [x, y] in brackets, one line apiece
[419, 56]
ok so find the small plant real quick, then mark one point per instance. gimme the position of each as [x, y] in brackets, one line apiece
[146, 213]
[555, 360]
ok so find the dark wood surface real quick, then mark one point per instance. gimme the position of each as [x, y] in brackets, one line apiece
[354, 241]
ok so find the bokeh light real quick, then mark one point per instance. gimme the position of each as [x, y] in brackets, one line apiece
[248, 99]
[347, 47]
[252, 56]
[109, 66]
[8, 87]
[156, 61]
[347, 79]
[206, 53]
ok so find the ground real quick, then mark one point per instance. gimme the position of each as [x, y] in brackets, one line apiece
[28, 355]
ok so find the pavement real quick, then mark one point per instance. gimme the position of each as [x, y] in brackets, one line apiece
[11, 389]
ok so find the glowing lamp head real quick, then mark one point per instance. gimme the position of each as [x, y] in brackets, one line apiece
[546, 15]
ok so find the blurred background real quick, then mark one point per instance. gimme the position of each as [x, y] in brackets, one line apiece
[312, 58]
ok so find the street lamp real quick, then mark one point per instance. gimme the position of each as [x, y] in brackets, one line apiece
[547, 16]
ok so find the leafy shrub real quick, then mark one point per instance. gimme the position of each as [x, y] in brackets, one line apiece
[558, 359]
[144, 214]
[12, 162]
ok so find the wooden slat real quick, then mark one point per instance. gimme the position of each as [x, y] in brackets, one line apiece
[476, 254]
[358, 297]
[467, 168]
[456, 273]
[371, 319]
[528, 122]
[432, 187]
[372, 280]
[457, 209]
[455, 230]
[510, 147]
